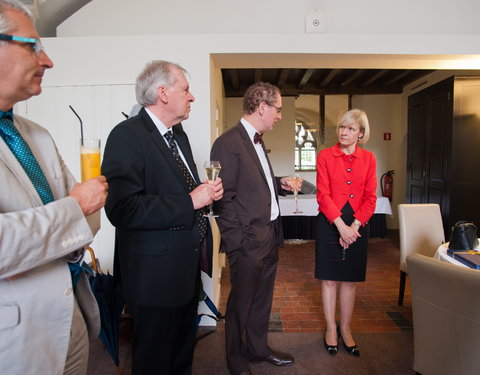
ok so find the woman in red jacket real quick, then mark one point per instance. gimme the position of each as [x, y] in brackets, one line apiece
[346, 195]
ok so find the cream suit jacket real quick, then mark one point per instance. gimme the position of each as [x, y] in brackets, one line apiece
[36, 308]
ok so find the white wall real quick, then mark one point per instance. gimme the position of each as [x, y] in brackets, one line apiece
[124, 17]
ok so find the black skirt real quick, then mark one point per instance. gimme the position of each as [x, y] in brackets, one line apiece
[331, 262]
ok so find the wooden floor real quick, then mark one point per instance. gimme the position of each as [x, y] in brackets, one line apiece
[297, 305]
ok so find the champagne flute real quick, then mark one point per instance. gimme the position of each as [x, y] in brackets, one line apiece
[294, 180]
[212, 169]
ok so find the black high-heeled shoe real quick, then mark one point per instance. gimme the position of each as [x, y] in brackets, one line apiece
[331, 349]
[352, 350]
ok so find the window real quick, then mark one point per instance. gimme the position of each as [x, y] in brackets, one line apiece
[316, 119]
[305, 146]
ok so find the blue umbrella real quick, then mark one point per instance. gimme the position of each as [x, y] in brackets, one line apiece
[109, 297]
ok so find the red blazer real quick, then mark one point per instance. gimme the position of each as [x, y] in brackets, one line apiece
[345, 178]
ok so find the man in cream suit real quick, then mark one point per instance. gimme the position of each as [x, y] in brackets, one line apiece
[43, 318]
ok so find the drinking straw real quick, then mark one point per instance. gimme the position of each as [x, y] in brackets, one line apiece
[81, 125]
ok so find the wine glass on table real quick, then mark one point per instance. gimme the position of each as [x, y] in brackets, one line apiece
[294, 180]
[212, 169]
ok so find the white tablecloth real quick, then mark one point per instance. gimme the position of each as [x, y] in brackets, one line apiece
[441, 254]
[307, 203]
[383, 206]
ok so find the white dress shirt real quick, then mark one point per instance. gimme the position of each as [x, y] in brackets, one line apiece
[274, 212]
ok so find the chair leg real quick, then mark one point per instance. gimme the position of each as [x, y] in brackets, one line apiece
[401, 291]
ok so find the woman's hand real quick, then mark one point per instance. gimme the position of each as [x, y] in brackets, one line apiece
[343, 244]
[348, 234]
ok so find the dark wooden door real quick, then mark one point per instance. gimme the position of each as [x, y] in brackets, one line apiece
[429, 145]
[417, 152]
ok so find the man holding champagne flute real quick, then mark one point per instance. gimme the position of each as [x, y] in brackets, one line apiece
[249, 221]
[157, 205]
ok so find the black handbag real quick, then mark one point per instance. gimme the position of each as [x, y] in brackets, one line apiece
[463, 236]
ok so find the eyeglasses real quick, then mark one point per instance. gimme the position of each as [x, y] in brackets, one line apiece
[34, 44]
[279, 109]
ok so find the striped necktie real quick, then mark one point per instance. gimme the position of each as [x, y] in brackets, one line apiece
[25, 157]
[202, 221]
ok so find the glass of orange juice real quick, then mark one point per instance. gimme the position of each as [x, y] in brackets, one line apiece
[89, 158]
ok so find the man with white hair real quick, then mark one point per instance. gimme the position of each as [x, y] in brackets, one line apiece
[157, 204]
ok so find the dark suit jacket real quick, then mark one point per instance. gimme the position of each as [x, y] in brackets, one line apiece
[157, 236]
[244, 210]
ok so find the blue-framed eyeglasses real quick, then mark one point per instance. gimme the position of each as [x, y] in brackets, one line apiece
[34, 44]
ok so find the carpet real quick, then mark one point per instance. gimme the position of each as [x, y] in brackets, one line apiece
[381, 354]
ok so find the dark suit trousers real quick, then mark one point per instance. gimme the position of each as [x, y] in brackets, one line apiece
[164, 339]
[252, 278]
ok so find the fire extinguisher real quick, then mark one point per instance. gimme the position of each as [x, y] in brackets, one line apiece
[386, 183]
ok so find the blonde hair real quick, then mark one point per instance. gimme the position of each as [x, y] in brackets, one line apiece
[356, 116]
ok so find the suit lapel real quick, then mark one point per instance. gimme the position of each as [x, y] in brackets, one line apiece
[184, 144]
[162, 146]
[252, 153]
[11, 162]
[159, 141]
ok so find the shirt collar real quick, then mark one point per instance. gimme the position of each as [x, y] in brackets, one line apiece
[160, 126]
[337, 151]
[249, 128]
[7, 114]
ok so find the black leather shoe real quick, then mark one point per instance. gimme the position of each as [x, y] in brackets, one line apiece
[277, 359]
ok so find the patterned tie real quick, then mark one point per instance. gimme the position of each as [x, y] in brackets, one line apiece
[24, 155]
[257, 138]
[202, 221]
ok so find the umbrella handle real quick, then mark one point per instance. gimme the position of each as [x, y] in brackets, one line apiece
[94, 260]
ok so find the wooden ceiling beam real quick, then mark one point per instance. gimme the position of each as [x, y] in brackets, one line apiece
[282, 78]
[258, 75]
[234, 79]
[353, 77]
[322, 81]
[375, 77]
[397, 77]
[305, 78]
[330, 76]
